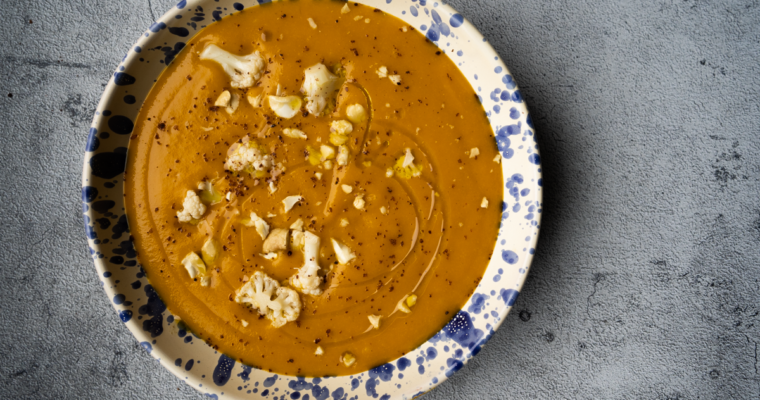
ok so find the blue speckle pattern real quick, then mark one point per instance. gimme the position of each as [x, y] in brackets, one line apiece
[167, 339]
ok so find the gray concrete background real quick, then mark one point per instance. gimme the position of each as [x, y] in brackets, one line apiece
[645, 283]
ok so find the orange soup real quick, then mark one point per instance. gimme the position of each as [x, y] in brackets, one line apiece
[313, 188]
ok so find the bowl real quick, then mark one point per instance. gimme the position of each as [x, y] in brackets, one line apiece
[140, 308]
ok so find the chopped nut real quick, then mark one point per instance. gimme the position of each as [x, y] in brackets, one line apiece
[484, 203]
[389, 172]
[356, 113]
[342, 252]
[348, 359]
[345, 9]
[358, 17]
[347, 189]
[312, 23]
[294, 133]
[276, 241]
[343, 223]
[244, 322]
[396, 79]
[290, 201]
[210, 251]
[382, 72]
[319, 351]
[374, 320]
[224, 99]
[342, 158]
[497, 159]
[298, 225]
[474, 152]
[359, 202]
[383, 210]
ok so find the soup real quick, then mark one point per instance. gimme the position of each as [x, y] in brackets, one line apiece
[313, 188]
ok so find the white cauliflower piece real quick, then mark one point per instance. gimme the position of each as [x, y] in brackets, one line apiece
[247, 157]
[289, 202]
[307, 279]
[192, 207]
[262, 228]
[244, 71]
[285, 106]
[319, 85]
[342, 252]
[294, 133]
[262, 293]
[356, 113]
[194, 265]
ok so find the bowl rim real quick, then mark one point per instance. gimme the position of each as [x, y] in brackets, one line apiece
[129, 62]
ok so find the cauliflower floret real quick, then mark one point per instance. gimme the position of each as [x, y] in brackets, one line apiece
[276, 241]
[192, 206]
[285, 106]
[243, 70]
[356, 113]
[262, 293]
[247, 157]
[319, 85]
[262, 228]
[289, 202]
[342, 252]
[307, 279]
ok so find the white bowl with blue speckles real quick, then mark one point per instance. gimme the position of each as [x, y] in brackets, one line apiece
[188, 357]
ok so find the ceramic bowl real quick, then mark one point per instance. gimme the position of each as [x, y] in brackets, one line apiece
[140, 308]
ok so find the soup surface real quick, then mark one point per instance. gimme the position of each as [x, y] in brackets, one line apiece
[313, 188]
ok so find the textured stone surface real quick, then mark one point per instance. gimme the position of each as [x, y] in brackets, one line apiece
[645, 283]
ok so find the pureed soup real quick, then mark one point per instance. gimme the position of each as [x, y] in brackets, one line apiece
[313, 188]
